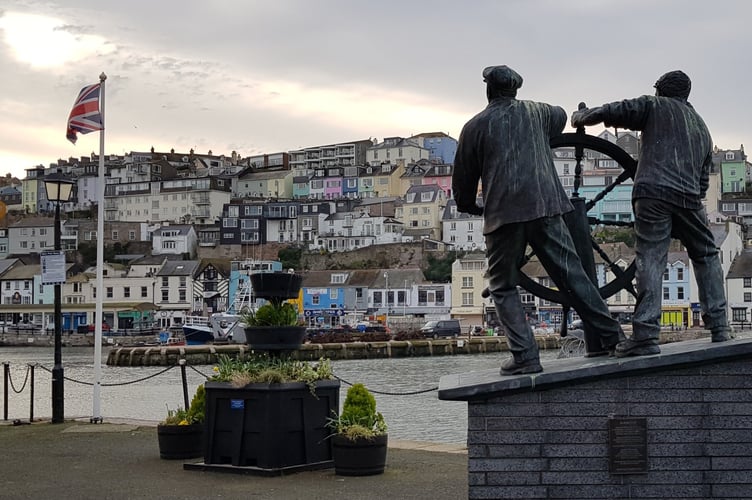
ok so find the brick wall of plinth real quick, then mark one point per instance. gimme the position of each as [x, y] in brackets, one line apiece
[554, 444]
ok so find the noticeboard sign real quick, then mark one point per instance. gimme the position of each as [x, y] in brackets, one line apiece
[53, 267]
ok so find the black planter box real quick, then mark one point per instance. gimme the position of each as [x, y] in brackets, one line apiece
[362, 457]
[277, 285]
[180, 441]
[270, 428]
[275, 338]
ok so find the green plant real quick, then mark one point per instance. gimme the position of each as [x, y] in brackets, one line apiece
[193, 415]
[261, 368]
[359, 418]
[197, 409]
[179, 416]
[272, 314]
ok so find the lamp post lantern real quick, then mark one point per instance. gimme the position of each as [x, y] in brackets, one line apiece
[58, 188]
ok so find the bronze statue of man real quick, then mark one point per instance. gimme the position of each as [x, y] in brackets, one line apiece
[669, 185]
[506, 148]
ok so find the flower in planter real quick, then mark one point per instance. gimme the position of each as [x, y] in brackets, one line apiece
[267, 369]
[180, 434]
[193, 415]
[359, 418]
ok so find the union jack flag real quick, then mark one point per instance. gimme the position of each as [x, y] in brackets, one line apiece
[85, 116]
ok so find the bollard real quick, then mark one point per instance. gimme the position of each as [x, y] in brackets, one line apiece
[31, 399]
[6, 373]
[185, 384]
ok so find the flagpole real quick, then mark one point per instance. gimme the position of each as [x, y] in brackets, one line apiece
[99, 317]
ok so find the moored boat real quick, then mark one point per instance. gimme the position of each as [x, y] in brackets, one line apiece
[197, 330]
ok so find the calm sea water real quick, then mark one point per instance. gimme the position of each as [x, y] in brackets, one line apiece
[421, 417]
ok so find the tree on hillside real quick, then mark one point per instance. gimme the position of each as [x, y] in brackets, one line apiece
[290, 256]
[440, 268]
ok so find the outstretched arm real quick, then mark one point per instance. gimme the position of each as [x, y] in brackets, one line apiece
[585, 116]
[629, 113]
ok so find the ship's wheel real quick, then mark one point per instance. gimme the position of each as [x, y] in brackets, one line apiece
[579, 223]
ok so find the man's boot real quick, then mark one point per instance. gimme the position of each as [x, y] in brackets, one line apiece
[630, 347]
[514, 367]
[720, 334]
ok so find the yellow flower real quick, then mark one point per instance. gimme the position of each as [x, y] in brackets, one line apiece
[216, 369]
[183, 422]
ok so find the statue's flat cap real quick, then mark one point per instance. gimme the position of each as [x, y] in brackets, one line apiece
[502, 77]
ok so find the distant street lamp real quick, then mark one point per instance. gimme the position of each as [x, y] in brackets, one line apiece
[59, 189]
[404, 302]
[386, 299]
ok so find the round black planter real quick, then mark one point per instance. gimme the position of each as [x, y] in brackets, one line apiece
[181, 441]
[277, 285]
[275, 338]
[362, 457]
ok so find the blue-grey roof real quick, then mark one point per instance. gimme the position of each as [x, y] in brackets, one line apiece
[742, 266]
[178, 268]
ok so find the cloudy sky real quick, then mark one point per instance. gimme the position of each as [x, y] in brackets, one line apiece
[262, 76]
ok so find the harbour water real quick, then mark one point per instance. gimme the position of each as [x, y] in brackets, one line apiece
[420, 417]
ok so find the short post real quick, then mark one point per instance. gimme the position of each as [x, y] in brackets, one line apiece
[6, 373]
[31, 398]
[185, 383]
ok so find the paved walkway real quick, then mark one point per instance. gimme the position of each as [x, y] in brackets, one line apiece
[120, 460]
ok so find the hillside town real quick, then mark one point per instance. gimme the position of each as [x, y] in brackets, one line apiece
[182, 228]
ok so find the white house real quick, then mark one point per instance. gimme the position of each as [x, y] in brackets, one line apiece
[179, 239]
[462, 231]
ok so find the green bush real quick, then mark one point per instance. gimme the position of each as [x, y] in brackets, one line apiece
[359, 418]
[197, 409]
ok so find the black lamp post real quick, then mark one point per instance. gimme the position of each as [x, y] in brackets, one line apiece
[58, 188]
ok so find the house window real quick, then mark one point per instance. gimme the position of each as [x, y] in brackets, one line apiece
[315, 300]
[165, 281]
[747, 296]
[115, 235]
[665, 275]
[467, 282]
[738, 314]
[467, 298]
[680, 293]
[181, 295]
[165, 295]
[747, 282]
[679, 274]
[126, 292]
[109, 292]
[377, 298]
[144, 292]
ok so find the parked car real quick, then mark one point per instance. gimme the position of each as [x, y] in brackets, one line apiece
[442, 328]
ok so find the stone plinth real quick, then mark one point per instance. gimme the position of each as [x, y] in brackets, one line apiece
[546, 435]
